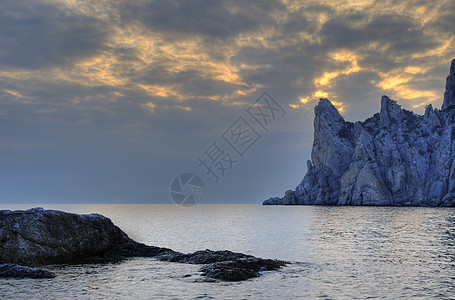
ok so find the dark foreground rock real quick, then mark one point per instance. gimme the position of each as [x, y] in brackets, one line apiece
[394, 158]
[202, 257]
[16, 271]
[240, 269]
[40, 237]
[225, 265]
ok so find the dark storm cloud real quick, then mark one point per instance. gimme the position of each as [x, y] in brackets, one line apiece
[282, 66]
[36, 35]
[210, 19]
[399, 33]
[445, 22]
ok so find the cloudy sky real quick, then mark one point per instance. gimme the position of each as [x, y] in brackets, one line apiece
[108, 100]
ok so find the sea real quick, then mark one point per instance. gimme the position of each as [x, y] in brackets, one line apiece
[336, 253]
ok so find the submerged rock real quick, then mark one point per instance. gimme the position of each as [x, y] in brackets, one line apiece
[39, 237]
[15, 271]
[239, 269]
[225, 265]
[201, 257]
[393, 158]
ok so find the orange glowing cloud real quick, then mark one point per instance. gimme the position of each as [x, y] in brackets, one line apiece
[342, 55]
[400, 82]
[320, 94]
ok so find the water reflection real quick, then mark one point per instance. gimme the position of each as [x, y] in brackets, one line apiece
[389, 250]
[348, 252]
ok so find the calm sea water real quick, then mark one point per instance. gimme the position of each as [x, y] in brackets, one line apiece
[339, 253]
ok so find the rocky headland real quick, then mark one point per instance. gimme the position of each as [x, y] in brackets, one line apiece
[394, 158]
[39, 237]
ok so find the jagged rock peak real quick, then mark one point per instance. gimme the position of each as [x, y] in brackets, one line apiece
[430, 117]
[390, 113]
[325, 107]
[449, 95]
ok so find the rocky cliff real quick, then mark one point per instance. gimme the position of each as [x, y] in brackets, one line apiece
[393, 158]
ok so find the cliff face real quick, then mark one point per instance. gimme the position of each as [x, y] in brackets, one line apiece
[393, 158]
[449, 95]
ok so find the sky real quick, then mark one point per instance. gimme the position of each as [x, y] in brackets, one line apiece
[108, 101]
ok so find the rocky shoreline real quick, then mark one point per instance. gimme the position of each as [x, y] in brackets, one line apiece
[39, 237]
